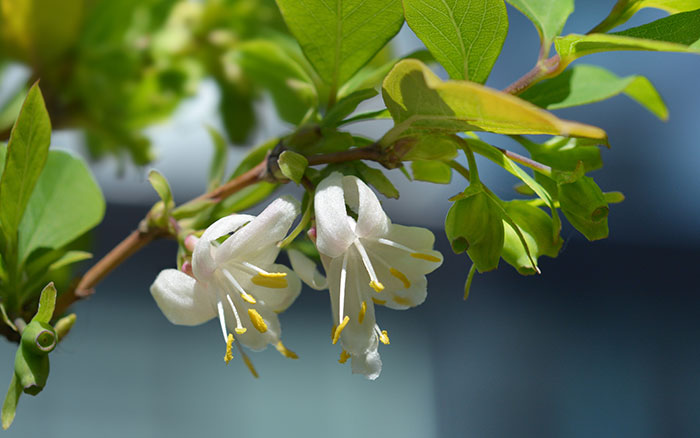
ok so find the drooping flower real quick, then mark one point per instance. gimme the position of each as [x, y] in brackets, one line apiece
[236, 280]
[368, 260]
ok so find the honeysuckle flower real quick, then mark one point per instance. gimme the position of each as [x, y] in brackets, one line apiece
[368, 260]
[236, 280]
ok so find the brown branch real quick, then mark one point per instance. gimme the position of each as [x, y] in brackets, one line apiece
[540, 71]
[140, 238]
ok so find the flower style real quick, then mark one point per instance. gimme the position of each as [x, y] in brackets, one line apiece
[236, 280]
[368, 260]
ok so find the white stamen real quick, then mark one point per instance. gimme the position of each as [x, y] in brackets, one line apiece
[341, 295]
[366, 261]
[393, 244]
[235, 313]
[222, 320]
[231, 279]
[252, 267]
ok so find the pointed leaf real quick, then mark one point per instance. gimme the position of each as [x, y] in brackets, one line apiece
[340, 36]
[346, 106]
[9, 407]
[376, 179]
[26, 156]
[47, 304]
[585, 84]
[419, 101]
[548, 16]
[217, 168]
[162, 187]
[465, 36]
[625, 9]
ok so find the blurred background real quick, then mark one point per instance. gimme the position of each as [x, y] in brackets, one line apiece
[603, 343]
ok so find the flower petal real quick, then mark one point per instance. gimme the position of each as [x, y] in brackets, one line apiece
[275, 299]
[371, 219]
[369, 363]
[307, 270]
[357, 336]
[181, 298]
[334, 234]
[203, 263]
[256, 242]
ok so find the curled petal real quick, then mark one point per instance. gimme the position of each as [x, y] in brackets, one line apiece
[181, 299]
[307, 270]
[334, 233]
[371, 219]
[203, 263]
[258, 239]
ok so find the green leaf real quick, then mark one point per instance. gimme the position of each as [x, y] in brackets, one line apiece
[585, 84]
[66, 203]
[340, 36]
[69, 258]
[25, 158]
[268, 65]
[5, 318]
[542, 192]
[625, 9]
[465, 36]
[432, 147]
[677, 33]
[236, 108]
[431, 171]
[292, 165]
[217, 168]
[548, 16]
[419, 101]
[536, 227]
[162, 187]
[47, 304]
[584, 205]
[564, 154]
[614, 197]
[246, 198]
[474, 224]
[376, 179]
[9, 407]
[346, 106]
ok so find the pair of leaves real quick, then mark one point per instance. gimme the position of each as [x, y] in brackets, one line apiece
[420, 102]
[584, 84]
[49, 198]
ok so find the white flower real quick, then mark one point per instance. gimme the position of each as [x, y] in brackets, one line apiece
[236, 280]
[368, 261]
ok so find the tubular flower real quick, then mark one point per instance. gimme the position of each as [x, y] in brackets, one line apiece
[236, 280]
[368, 260]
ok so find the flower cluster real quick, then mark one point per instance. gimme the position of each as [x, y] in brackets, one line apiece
[368, 261]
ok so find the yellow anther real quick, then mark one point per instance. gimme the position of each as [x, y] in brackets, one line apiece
[275, 282]
[400, 275]
[248, 297]
[257, 320]
[363, 310]
[273, 274]
[250, 366]
[377, 286]
[340, 328]
[229, 353]
[377, 301]
[384, 337]
[286, 352]
[428, 257]
[344, 356]
[333, 331]
[398, 299]
[240, 330]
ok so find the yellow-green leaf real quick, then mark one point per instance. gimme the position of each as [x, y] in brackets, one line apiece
[419, 101]
[625, 9]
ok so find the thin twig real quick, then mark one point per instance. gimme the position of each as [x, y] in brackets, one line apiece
[540, 71]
